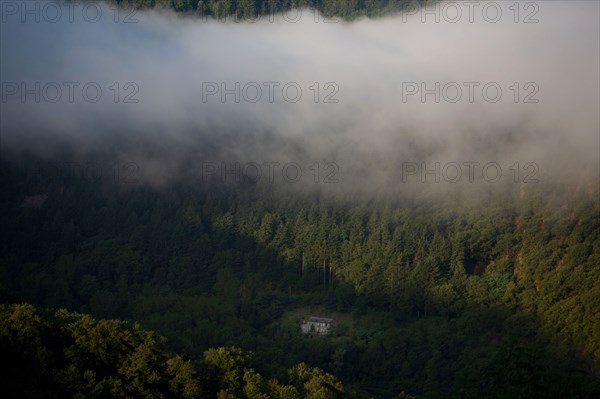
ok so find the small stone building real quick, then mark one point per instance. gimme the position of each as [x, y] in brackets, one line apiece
[317, 325]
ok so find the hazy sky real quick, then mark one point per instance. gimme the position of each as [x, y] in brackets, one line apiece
[362, 84]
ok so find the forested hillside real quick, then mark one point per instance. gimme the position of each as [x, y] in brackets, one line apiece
[59, 354]
[250, 9]
[470, 293]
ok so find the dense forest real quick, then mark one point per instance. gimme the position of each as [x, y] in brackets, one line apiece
[139, 259]
[481, 293]
[58, 354]
[251, 9]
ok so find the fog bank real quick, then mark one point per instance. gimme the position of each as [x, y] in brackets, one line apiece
[171, 93]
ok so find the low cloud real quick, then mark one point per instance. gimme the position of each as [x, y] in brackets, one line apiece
[177, 92]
